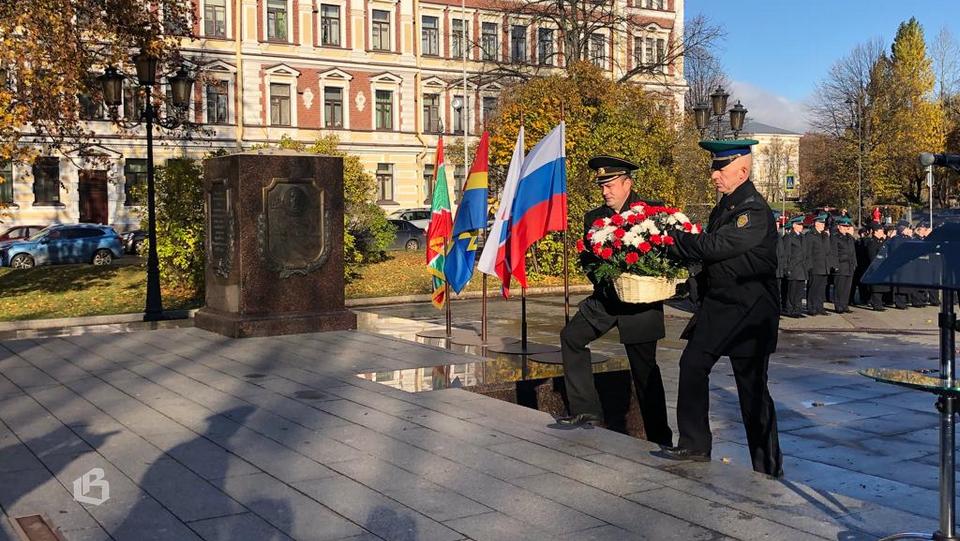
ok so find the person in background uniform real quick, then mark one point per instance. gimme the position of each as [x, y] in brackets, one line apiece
[860, 292]
[781, 270]
[844, 261]
[871, 247]
[902, 296]
[929, 296]
[795, 267]
[889, 232]
[640, 325]
[818, 266]
[739, 314]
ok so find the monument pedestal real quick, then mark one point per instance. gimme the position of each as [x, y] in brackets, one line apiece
[274, 245]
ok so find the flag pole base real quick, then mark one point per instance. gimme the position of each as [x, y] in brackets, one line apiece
[470, 339]
[517, 348]
[443, 334]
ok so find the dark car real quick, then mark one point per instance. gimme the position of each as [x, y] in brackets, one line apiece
[20, 232]
[409, 236]
[78, 243]
[132, 240]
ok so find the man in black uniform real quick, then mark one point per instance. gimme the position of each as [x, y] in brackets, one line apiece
[931, 296]
[794, 267]
[844, 261]
[902, 296]
[871, 247]
[640, 325]
[817, 244]
[738, 316]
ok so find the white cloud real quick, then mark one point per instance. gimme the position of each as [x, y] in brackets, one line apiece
[768, 108]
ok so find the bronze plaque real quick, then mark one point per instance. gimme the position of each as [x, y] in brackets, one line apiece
[220, 227]
[293, 232]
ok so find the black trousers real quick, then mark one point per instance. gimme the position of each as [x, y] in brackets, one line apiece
[794, 304]
[816, 293]
[876, 298]
[756, 407]
[841, 296]
[582, 392]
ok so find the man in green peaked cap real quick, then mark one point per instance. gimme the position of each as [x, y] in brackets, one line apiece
[738, 314]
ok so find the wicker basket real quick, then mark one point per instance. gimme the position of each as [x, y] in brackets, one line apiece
[642, 289]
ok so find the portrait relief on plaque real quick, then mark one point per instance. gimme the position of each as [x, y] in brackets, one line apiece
[220, 228]
[293, 232]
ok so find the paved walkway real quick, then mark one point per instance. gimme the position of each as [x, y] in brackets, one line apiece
[203, 437]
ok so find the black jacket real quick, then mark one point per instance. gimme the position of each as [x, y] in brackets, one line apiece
[871, 247]
[740, 311]
[844, 257]
[819, 252]
[794, 256]
[636, 322]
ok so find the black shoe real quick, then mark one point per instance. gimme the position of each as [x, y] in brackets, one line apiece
[879, 309]
[823, 313]
[680, 453]
[581, 420]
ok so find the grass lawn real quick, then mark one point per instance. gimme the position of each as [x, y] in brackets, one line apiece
[405, 274]
[79, 290]
[85, 290]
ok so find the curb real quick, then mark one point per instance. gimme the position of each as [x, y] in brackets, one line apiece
[109, 319]
[406, 299]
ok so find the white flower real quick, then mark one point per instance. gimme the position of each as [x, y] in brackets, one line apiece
[671, 220]
[650, 227]
[681, 217]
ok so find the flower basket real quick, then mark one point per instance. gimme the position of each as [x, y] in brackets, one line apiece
[644, 289]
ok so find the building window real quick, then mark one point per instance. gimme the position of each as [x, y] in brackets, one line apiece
[428, 182]
[545, 46]
[430, 41]
[217, 103]
[458, 176]
[489, 106]
[6, 183]
[460, 43]
[385, 182]
[132, 102]
[279, 104]
[329, 25]
[135, 177]
[277, 20]
[661, 55]
[648, 58]
[215, 18]
[431, 113]
[381, 30]
[518, 43]
[384, 110]
[46, 181]
[598, 50]
[458, 115]
[90, 108]
[638, 51]
[489, 42]
[333, 107]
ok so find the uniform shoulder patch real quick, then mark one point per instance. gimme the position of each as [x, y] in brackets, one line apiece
[743, 219]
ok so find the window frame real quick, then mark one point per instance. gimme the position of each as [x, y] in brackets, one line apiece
[514, 38]
[492, 55]
[128, 199]
[377, 31]
[6, 186]
[227, 98]
[434, 114]
[287, 10]
[227, 14]
[377, 103]
[435, 31]
[599, 60]
[289, 101]
[382, 175]
[327, 109]
[325, 22]
[545, 59]
[49, 162]
[464, 39]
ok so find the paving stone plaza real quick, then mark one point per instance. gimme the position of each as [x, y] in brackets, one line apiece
[205, 437]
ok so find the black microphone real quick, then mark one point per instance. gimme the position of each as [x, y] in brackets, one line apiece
[941, 160]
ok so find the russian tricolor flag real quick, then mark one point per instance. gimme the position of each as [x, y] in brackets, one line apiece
[493, 258]
[540, 203]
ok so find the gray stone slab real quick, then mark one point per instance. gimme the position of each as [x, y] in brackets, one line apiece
[499, 527]
[242, 527]
[432, 500]
[287, 509]
[376, 513]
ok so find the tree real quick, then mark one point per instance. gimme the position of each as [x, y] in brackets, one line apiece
[775, 165]
[50, 51]
[704, 74]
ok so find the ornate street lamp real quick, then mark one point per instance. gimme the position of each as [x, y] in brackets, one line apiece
[856, 112]
[737, 115]
[719, 100]
[181, 88]
[715, 110]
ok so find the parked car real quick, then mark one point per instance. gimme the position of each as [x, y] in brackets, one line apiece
[419, 217]
[132, 240]
[409, 236]
[76, 243]
[20, 232]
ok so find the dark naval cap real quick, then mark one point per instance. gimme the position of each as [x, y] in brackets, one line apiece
[609, 168]
[724, 152]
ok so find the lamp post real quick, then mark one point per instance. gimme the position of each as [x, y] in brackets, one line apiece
[856, 110]
[181, 86]
[706, 114]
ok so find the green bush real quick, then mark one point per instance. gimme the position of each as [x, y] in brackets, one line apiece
[180, 224]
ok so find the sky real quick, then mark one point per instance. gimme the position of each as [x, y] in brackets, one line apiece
[776, 51]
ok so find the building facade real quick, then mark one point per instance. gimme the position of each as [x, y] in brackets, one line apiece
[382, 75]
[776, 162]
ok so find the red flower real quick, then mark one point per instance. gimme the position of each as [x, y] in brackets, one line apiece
[598, 222]
[616, 219]
[672, 210]
[619, 233]
[606, 253]
[580, 246]
[618, 244]
[687, 226]
[636, 204]
[668, 240]
[597, 248]
[589, 235]
[655, 239]
[632, 258]
[645, 247]
[641, 217]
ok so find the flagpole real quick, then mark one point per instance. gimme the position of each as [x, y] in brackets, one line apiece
[566, 245]
[523, 319]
